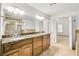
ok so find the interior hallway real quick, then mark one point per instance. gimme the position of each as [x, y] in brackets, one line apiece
[61, 48]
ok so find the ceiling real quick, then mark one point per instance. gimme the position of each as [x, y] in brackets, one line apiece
[55, 9]
[30, 12]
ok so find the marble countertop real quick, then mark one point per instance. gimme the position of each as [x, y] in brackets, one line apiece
[11, 39]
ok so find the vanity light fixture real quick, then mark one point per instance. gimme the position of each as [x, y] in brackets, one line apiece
[21, 12]
[10, 9]
[18, 11]
[39, 17]
[15, 10]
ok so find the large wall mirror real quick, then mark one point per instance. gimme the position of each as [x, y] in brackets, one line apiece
[14, 26]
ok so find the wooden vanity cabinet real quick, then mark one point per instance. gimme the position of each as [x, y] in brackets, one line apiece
[27, 47]
[37, 45]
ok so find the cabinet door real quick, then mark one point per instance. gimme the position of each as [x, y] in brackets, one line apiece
[37, 46]
[44, 44]
[48, 41]
[26, 50]
[37, 51]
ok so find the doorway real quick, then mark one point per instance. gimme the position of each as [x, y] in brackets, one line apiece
[62, 27]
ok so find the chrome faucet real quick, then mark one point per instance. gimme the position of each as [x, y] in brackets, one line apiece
[14, 34]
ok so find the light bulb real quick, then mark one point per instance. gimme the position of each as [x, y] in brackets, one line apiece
[39, 17]
[9, 8]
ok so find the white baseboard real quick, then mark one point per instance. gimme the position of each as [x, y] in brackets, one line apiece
[64, 35]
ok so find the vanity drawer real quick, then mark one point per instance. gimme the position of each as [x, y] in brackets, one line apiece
[37, 38]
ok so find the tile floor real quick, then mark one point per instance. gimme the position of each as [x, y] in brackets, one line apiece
[61, 48]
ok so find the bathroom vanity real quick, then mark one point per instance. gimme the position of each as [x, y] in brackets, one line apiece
[26, 45]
